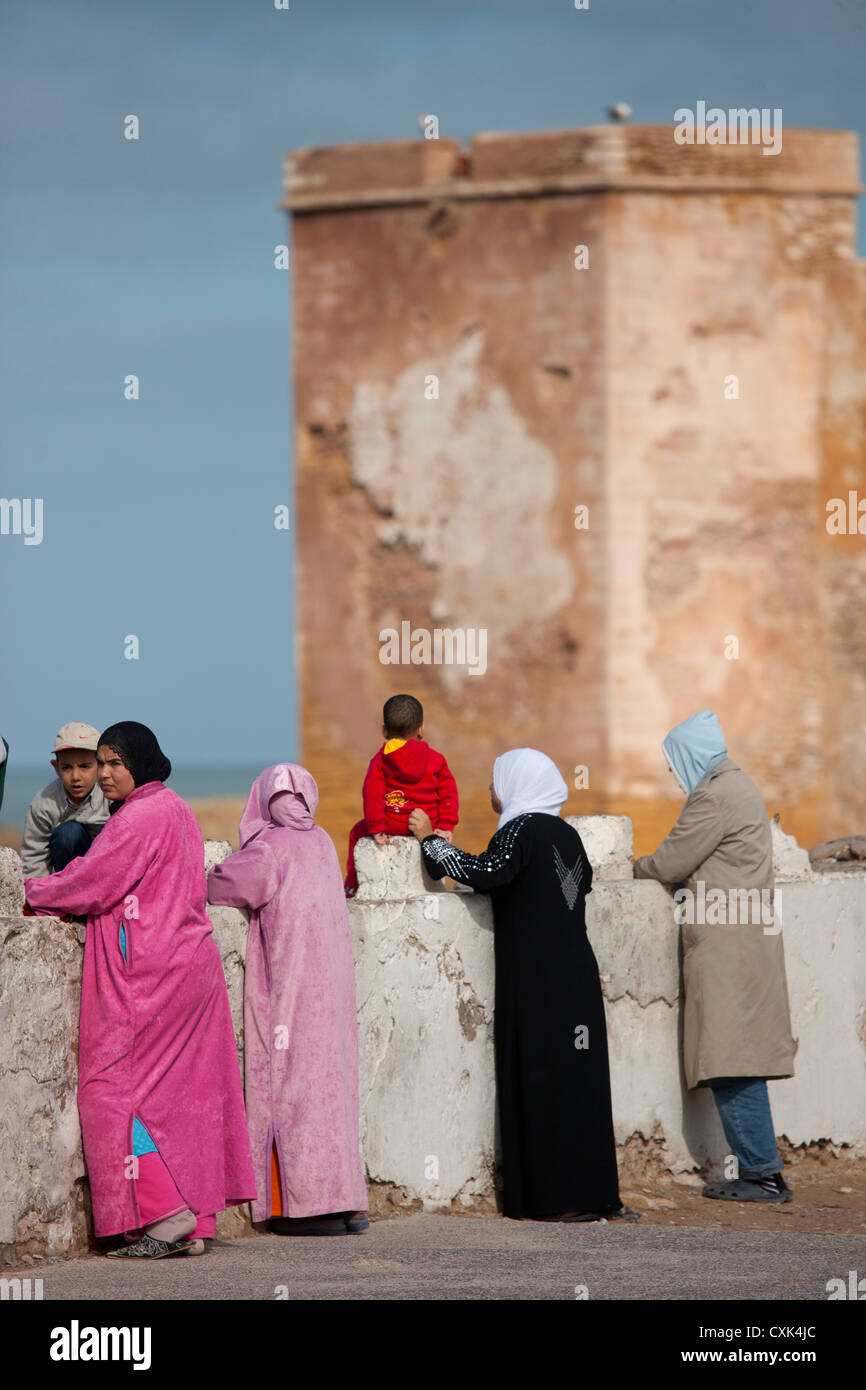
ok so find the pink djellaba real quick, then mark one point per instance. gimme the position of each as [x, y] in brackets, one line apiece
[155, 1037]
[300, 1012]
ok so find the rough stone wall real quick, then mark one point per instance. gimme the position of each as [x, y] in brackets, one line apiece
[842, 570]
[716, 506]
[424, 972]
[43, 1197]
[602, 387]
[456, 512]
[415, 942]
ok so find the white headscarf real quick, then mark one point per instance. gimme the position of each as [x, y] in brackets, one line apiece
[525, 780]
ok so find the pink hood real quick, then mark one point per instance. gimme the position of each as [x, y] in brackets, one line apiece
[283, 795]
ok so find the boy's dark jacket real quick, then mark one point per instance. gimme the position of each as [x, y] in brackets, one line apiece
[411, 776]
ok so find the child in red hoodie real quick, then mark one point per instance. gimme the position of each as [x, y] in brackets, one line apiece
[405, 773]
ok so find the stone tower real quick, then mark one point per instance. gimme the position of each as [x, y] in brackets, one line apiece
[590, 393]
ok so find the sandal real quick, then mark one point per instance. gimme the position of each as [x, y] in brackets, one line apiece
[618, 1214]
[148, 1248]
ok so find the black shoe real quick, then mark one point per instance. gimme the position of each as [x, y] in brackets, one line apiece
[770, 1191]
[356, 1221]
[329, 1225]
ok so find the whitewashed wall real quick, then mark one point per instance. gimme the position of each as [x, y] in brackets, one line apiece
[424, 968]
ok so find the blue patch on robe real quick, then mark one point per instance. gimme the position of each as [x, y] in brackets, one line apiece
[141, 1140]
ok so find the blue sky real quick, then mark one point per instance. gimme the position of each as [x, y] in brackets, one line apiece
[155, 257]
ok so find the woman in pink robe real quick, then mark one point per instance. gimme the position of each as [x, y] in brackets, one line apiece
[300, 1012]
[159, 1088]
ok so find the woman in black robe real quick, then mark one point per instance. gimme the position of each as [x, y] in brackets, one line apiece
[552, 1076]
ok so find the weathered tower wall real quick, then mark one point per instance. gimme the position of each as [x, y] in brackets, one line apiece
[705, 575]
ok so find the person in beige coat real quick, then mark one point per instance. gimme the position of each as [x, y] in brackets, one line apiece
[737, 1023]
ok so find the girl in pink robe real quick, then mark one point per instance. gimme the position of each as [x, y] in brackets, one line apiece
[156, 1042]
[300, 1012]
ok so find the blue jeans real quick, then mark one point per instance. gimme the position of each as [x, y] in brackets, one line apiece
[68, 842]
[744, 1109]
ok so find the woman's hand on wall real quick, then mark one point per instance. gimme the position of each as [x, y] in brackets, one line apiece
[420, 823]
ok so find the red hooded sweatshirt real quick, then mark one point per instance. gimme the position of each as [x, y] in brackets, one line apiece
[404, 775]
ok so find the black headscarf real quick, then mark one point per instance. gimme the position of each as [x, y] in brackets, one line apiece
[137, 747]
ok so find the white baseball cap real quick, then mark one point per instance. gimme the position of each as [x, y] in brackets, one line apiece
[77, 736]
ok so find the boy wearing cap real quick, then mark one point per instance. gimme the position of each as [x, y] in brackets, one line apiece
[66, 816]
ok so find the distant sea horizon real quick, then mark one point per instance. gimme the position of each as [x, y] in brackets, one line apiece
[193, 783]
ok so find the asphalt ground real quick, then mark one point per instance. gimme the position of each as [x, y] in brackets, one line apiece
[436, 1257]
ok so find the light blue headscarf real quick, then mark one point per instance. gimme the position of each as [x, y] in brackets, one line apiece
[694, 747]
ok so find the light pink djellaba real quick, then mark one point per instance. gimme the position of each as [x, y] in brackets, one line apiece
[156, 1037]
[300, 1011]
